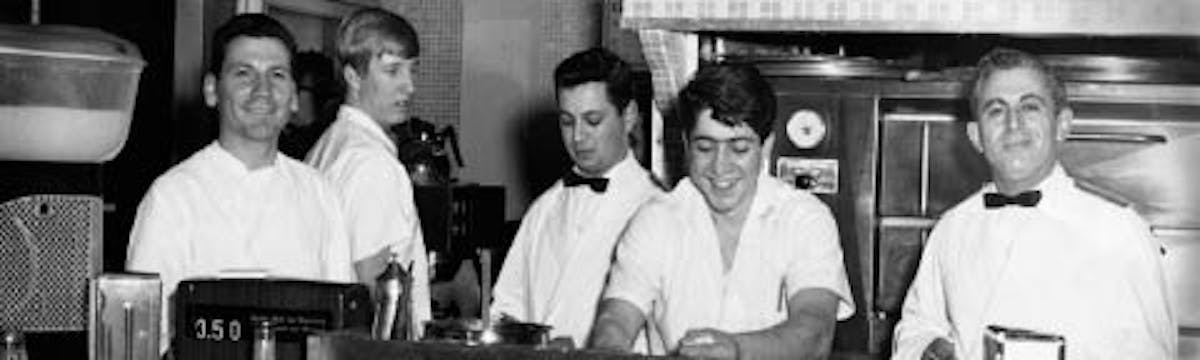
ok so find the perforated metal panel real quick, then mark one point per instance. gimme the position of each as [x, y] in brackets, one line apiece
[439, 26]
[50, 246]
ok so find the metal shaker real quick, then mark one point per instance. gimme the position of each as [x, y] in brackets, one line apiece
[393, 309]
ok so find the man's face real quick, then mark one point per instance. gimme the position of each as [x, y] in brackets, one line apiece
[1018, 128]
[254, 92]
[593, 130]
[385, 89]
[724, 162]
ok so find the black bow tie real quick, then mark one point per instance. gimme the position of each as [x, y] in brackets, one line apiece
[1027, 199]
[597, 184]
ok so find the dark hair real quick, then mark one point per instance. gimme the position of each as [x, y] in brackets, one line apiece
[736, 94]
[597, 65]
[249, 25]
[370, 32]
[315, 72]
[1007, 59]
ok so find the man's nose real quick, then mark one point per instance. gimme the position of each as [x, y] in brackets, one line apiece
[262, 85]
[578, 133]
[723, 159]
[1012, 120]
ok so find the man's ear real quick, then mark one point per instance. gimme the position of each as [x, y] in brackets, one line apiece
[210, 90]
[973, 134]
[1065, 117]
[353, 82]
[631, 116]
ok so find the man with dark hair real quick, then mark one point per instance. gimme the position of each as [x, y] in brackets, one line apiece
[238, 203]
[555, 269]
[376, 53]
[318, 95]
[1032, 250]
[732, 263]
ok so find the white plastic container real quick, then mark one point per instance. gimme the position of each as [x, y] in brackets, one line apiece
[66, 93]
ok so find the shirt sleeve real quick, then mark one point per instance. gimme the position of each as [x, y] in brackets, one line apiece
[510, 291]
[1152, 332]
[638, 269]
[335, 254]
[157, 245]
[380, 213]
[923, 316]
[817, 263]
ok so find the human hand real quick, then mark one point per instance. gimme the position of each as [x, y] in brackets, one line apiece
[939, 349]
[708, 344]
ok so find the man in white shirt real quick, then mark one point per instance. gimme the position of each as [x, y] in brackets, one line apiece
[239, 203]
[557, 264]
[732, 263]
[376, 53]
[1031, 250]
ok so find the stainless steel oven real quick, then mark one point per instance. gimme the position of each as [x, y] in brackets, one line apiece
[889, 156]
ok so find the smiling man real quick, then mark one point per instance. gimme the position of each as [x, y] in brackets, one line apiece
[238, 203]
[376, 53]
[733, 263]
[1032, 250]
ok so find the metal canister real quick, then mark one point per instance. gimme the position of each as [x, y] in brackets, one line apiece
[14, 346]
[264, 341]
[393, 310]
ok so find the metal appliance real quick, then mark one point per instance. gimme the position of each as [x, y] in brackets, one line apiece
[887, 151]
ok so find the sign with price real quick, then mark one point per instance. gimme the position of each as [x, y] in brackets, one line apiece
[225, 330]
[217, 318]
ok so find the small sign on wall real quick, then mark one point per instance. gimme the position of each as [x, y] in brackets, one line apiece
[819, 176]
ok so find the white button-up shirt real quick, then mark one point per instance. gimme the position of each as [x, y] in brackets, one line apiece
[359, 159]
[669, 262]
[1074, 265]
[556, 266]
[210, 213]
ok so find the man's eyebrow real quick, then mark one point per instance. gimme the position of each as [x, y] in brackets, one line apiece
[993, 101]
[726, 140]
[1037, 97]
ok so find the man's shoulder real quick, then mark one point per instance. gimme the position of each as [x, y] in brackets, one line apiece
[187, 173]
[545, 200]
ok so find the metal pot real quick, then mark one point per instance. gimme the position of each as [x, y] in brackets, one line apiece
[473, 332]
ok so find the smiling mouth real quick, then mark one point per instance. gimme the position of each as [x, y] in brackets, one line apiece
[723, 184]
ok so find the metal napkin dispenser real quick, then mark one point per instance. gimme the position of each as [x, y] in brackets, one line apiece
[1005, 343]
[215, 318]
[125, 316]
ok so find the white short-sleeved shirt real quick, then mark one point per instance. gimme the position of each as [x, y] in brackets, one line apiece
[669, 263]
[210, 213]
[556, 267]
[1074, 265]
[361, 163]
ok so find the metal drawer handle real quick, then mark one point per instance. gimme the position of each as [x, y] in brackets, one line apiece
[920, 117]
[1117, 137]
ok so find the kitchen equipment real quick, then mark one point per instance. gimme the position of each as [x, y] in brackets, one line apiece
[66, 93]
[51, 246]
[422, 147]
[1004, 343]
[125, 317]
[393, 304]
[475, 332]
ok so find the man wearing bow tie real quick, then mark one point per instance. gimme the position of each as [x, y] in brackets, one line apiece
[1032, 250]
[557, 264]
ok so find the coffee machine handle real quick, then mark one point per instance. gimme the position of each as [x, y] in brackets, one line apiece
[450, 134]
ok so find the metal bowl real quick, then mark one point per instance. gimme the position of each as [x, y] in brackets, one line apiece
[473, 332]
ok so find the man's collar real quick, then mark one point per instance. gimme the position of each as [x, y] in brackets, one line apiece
[230, 161]
[362, 119]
